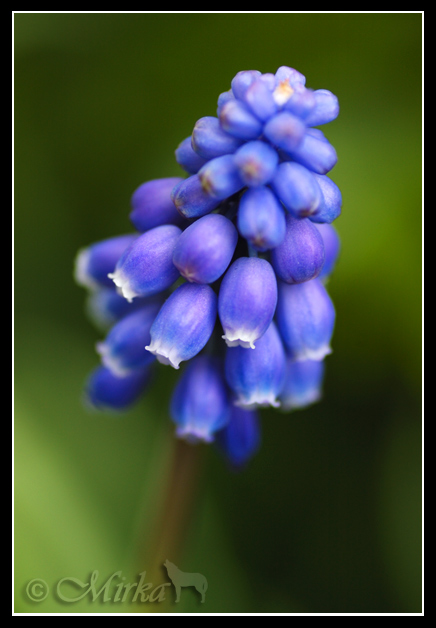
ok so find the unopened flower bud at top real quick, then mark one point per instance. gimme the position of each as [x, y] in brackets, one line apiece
[187, 158]
[315, 152]
[105, 391]
[285, 131]
[146, 267]
[223, 99]
[300, 257]
[303, 384]
[205, 249]
[305, 318]
[152, 205]
[261, 218]
[123, 349]
[330, 205]
[191, 200]
[287, 80]
[297, 188]
[269, 79]
[93, 263]
[184, 324]
[326, 108]
[237, 120]
[240, 439]
[200, 404]
[257, 376]
[260, 100]
[220, 178]
[301, 103]
[209, 140]
[256, 163]
[247, 301]
[242, 81]
[289, 75]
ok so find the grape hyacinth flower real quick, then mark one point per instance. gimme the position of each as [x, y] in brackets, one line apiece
[94, 263]
[152, 205]
[257, 377]
[239, 440]
[123, 349]
[146, 266]
[105, 306]
[227, 267]
[200, 402]
[300, 257]
[247, 301]
[306, 318]
[205, 249]
[107, 391]
[184, 324]
[303, 384]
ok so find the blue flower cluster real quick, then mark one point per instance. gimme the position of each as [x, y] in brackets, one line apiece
[227, 268]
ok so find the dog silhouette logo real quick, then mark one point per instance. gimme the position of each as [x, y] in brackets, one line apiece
[181, 579]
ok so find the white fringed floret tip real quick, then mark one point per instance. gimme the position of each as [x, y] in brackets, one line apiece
[296, 403]
[257, 400]
[193, 435]
[240, 339]
[164, 354]
[121, 281]
[314, 354]
[109, 361]
[81, 274]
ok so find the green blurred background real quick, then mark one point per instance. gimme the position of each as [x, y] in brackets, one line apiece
[327, 517]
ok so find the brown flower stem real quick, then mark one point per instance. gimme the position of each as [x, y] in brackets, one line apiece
[174, 513]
